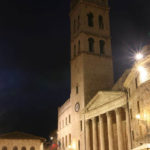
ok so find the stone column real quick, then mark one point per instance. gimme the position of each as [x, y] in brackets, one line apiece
[101, 129]
[128, 132]
[110, 131]
[87, 128]
[119, 130]
[95, 140]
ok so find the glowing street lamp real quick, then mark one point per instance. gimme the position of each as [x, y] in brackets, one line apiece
[69, 147]
[139, 56]
[143, 73]
[138, 116]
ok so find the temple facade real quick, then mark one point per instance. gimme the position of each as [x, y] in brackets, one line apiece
[101, 115]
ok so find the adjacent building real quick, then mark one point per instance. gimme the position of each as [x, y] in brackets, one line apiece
[21, 141]
[101, 115]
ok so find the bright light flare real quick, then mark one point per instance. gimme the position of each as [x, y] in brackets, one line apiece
[138, 116]
[69, 146]
[142, 73]
[73, 145]
[148, 145]
[139, 56]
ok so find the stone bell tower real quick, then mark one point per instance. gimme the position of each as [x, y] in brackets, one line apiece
[91, 54]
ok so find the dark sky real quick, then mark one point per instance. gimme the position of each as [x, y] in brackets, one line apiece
[35, 56]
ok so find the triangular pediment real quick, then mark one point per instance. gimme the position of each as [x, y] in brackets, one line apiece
[103, 98]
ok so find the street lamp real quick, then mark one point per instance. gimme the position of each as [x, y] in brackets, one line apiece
[139, 56]
[138, 116]
[51, 138]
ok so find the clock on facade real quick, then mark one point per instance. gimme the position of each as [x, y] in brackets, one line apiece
[77, 107]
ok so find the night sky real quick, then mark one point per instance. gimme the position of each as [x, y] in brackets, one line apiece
[35, 57]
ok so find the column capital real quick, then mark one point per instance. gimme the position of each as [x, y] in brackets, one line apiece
[108, 114]
[101, 117]
[93, 119]
[117, 110]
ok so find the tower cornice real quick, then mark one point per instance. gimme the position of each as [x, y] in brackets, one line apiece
[90, 34]
[94, 54]
[88, 4]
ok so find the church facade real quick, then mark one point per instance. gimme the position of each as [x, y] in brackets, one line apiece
[101, 115]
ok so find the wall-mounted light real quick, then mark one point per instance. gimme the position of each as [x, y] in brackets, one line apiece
[138, 116]
[143, 73]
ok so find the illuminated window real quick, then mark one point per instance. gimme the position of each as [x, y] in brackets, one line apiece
[101, 24]
[4, 148]
[102, 47]
[91, 44]
[90, 20]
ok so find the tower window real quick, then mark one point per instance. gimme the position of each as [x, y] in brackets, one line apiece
[77, 89]
[74, 26]
[101, 24]
[102, 47]
[79, 46]
[90, 20]
[74, 50]
[4, 148]
[23, 148]
[91, 44]
[78, 22]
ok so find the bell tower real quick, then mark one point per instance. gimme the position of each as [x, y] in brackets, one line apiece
[91, 54]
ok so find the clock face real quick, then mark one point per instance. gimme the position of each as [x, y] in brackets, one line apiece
[77, 107]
